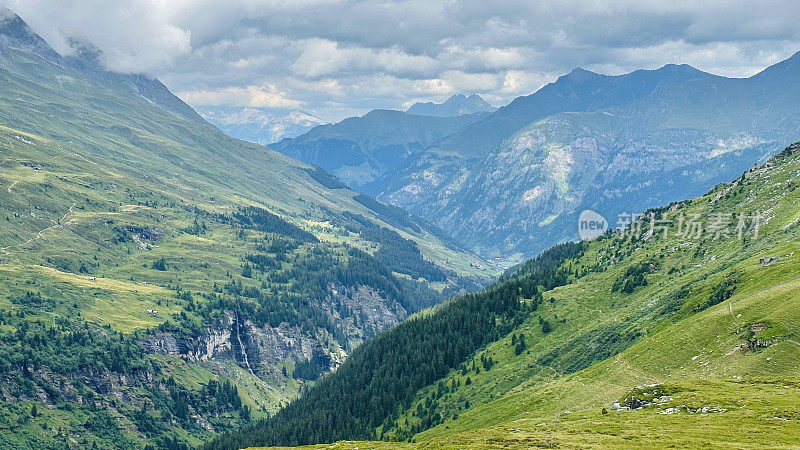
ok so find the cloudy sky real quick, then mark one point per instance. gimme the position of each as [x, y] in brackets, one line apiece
[336, 58]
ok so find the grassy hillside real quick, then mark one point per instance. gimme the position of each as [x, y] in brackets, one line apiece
[161, 282]
[635, 340]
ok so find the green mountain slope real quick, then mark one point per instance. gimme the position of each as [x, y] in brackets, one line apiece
[161, 282]
[652, 339]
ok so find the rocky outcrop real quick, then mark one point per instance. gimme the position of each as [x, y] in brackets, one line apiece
[359, 313]
[769, 260]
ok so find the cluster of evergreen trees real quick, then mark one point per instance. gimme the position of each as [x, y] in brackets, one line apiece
[383, 376]
[292, 278]
[64, 347]
[402, 255]
[394, 215]
[260, 219]
[306, 370]
[633, 278]
[722, 291]
[324, 178]
[399, 254]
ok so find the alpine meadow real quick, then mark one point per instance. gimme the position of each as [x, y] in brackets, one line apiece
[399, 224]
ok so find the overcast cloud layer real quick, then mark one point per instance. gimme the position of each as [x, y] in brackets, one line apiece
[339, 58]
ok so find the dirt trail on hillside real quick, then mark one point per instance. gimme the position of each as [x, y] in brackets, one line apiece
[41, 232]
[732, 302]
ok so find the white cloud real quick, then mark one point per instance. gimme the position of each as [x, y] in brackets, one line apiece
[253, 96]
[519, 82]
[322, 58]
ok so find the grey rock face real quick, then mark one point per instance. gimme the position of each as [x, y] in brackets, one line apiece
[260, 348]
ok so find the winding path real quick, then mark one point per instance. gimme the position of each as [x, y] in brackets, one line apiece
[731, 303]
[41, 232]
[793, 342]
[739, 325]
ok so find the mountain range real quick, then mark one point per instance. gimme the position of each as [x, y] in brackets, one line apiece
[270, 125]
[260, 125]
[511, 183]
[361, 150]
[166, 285]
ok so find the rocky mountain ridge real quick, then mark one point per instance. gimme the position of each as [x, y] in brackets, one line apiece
[456, 105]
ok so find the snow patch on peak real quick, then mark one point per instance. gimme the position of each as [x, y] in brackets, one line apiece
[261, 125]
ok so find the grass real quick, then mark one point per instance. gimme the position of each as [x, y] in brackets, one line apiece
[119, 304]
[757, 422]
[756, 413]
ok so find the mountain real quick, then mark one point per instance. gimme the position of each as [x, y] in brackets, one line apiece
[260, 125]
[162, 282]
[359, 150]
[513, 183]
[454, 106]
[15, 34]
[676, 330]
[578, 91]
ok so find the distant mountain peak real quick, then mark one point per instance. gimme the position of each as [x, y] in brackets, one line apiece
[260, 125]
[16, 34]
[682, 69]
[579, 71]
[12, 25]
[580, 75]
[456, 105]
[676, 68]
